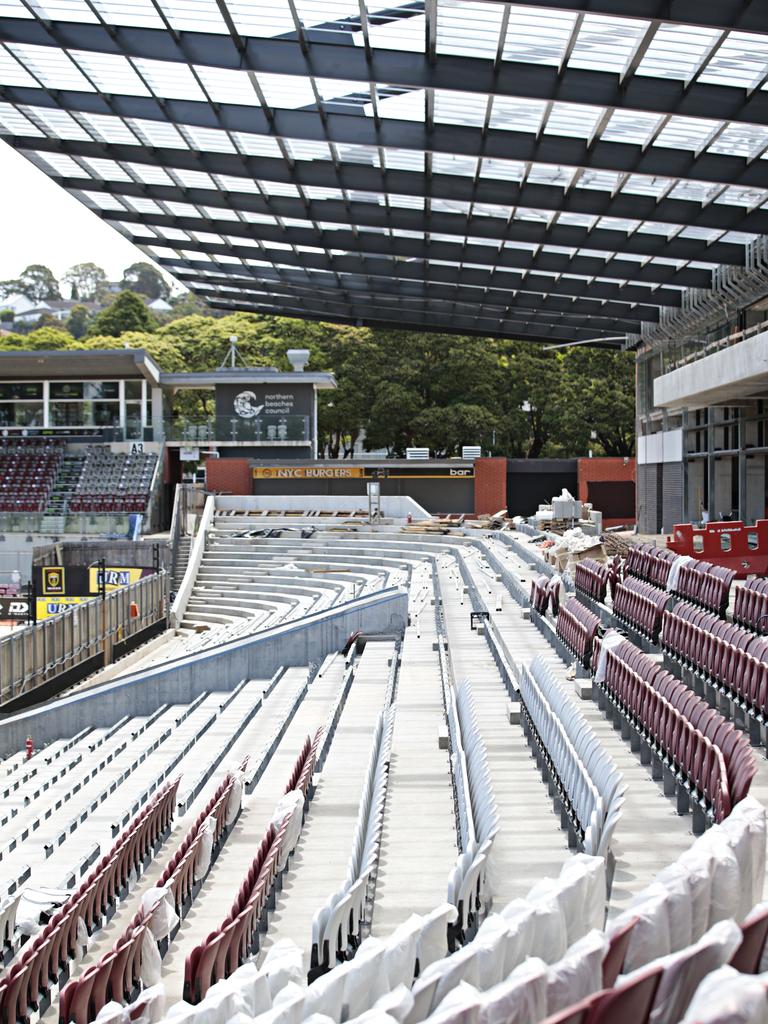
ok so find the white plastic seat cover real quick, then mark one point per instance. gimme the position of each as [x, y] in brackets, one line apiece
[578, 974]
[521, 999]
[727, 997]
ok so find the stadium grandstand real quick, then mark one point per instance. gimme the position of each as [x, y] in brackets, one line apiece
[362, 740]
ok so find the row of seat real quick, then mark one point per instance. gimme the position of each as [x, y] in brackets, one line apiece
[545, 592]
[577, 627]
[337, 924]
[556, 914]
[702, 757]
[586, 783]
[591, 578]
[558, 922]
[225, 949]
[729, 661]
[750, 604]
[478, 814]
[705, 584]
[641, 605]
[675, 931]
[647, 562]
[114, 978]
[27, 984]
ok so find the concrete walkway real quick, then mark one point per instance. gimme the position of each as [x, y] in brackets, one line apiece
[650, 835]
[319, 865]
[419, 840]
[529, 844]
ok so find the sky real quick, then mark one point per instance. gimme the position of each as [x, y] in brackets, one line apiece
[42, 223]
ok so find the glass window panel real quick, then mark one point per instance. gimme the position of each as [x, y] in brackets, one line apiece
[677, 51]
[110, 73]
[58, 123]
[170, 79]
[21, 414]
[158, 133]
[132, 390]
[107, 128]
[15, 123]
[149, 175]
[139, 13]
[10, 390]
[606, 44]
[741, 61]
[51, 67]
[101, 389]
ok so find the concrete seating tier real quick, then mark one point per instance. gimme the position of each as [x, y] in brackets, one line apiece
[237, 938]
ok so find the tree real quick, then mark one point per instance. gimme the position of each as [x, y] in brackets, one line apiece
[127, 313]
[87, 281]
[146, 280]
[36, 282]
[600, 389]
[7, 316]
[77, 323]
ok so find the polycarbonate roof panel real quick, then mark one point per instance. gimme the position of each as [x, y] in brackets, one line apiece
[569, 169]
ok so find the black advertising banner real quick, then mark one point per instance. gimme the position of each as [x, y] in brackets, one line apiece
[14, 609]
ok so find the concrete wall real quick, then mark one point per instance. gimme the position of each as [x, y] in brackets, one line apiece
[392, 506]
[114, 552]
[222, 668]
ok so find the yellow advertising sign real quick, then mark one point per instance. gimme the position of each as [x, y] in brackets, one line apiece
[115, 577]
[308, 472]
[47, 607]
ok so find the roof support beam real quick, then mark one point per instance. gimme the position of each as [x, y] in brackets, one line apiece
[357, 129]
[369, 215]
[744, 15]
[312, 266]
[429, 321]
[405, 69]
[348, 305]
[482, 255]
[542, 305]
[360, 177]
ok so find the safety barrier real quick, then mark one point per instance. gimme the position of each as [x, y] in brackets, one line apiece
[32, 657]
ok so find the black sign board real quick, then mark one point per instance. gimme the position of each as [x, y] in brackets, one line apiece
[14, 609]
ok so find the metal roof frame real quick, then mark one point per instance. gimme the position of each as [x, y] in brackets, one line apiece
[564, 173]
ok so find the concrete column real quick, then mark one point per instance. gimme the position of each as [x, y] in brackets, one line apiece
[711, 464]
[742, 468]
[158, 426]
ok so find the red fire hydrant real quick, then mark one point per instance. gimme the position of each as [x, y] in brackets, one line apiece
[409, 518]
[30, 747]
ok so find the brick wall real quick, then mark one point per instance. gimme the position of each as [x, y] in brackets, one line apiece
[490, 486]
[229, 476]
[606, 470]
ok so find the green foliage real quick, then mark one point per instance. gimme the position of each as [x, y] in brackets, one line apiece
[145, 279]
[77, 322]
[395, 388]
[42, 338]
[87, 281]
[6, 316]
[35, 281]
[127, 313]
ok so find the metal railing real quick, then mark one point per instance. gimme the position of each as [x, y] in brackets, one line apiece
[258, 429]
[35, 655]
